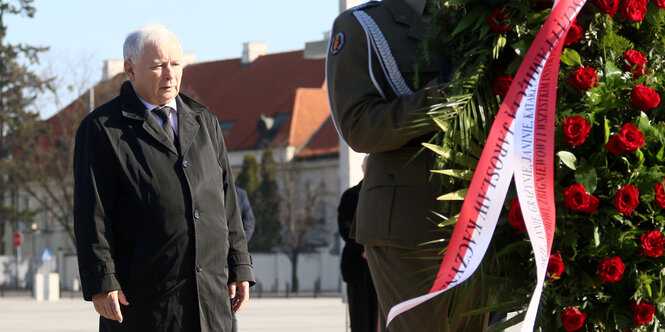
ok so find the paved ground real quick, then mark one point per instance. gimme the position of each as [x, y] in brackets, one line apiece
[19, 313]
[327, 314]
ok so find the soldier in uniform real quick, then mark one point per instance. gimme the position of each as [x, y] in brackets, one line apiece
[370, 72]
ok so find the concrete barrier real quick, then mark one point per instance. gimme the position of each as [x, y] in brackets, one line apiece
[48, 289]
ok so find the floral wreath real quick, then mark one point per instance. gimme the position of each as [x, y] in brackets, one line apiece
[607, 270]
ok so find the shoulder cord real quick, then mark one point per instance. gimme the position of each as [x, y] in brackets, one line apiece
[387, 61]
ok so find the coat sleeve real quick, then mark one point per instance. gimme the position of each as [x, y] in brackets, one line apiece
[239, 260]
[94, 197]
[346, 211]
[248, 220]
[367, 121]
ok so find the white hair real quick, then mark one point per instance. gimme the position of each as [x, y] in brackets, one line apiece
[153, 33]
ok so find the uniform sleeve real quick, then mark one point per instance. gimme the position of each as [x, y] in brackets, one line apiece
[367, 122]
[239, 260]
[94, 197]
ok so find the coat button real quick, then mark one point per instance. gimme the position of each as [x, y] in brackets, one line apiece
[198, 268]
[391, 176]
[185, 163]
[197, 214]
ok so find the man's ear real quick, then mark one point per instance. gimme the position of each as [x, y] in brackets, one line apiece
[129, 70]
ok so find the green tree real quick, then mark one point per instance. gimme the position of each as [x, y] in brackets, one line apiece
[248, 178]
[268, 229]
[20, 127]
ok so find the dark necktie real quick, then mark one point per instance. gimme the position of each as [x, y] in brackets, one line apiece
[164, 113]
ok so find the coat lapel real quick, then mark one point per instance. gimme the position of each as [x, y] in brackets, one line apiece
[188, 125]
[134, 109]
[155, 130]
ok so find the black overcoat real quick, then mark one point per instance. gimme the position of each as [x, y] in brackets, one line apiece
[353, 266]
[158, 220]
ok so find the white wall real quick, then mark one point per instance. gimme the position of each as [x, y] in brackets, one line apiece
[27, 267]
[273, 271]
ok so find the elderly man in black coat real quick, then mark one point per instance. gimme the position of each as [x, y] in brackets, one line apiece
[160, 241]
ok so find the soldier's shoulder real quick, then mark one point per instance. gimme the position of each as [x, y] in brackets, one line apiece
[368, 4]
[347, 28]
[348, 14]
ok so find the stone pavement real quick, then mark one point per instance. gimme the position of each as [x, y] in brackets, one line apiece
[323, 314]
[20, 313]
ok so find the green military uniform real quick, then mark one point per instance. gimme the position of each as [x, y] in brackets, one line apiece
[371, 108]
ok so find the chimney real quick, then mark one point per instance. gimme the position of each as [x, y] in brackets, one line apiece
[112, 68]
[253, 50]
[317, 49]
[115, 66]
[346, 4]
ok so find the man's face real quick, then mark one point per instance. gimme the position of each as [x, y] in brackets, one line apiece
[156, 77]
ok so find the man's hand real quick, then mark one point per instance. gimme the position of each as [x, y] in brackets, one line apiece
[106, 304]
[239, 292]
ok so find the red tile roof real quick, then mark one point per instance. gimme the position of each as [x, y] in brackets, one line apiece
[310, 110]
[242, 93]
[325, 141]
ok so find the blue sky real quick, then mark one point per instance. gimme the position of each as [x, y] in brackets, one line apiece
[84, 33]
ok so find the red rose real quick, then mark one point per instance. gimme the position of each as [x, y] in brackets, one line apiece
[644, 97]
[611, 269]
[608, 7]
[628, 139]
[574, 34]
[627, 199]
[613, 146]
[642, 312]
[499, 20]
[575, 130]
[659, 3]
[572, 318]
[576, 198]
[652, 244]
[634, 10]
[660, 194]
[555, 267]
[502, 84]
[515, 218]
[583, 78]
[635, 61]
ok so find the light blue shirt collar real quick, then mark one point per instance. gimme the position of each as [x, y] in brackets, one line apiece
[150, 106]
[172, 115]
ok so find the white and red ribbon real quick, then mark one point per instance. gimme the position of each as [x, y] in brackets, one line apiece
[520, 144]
